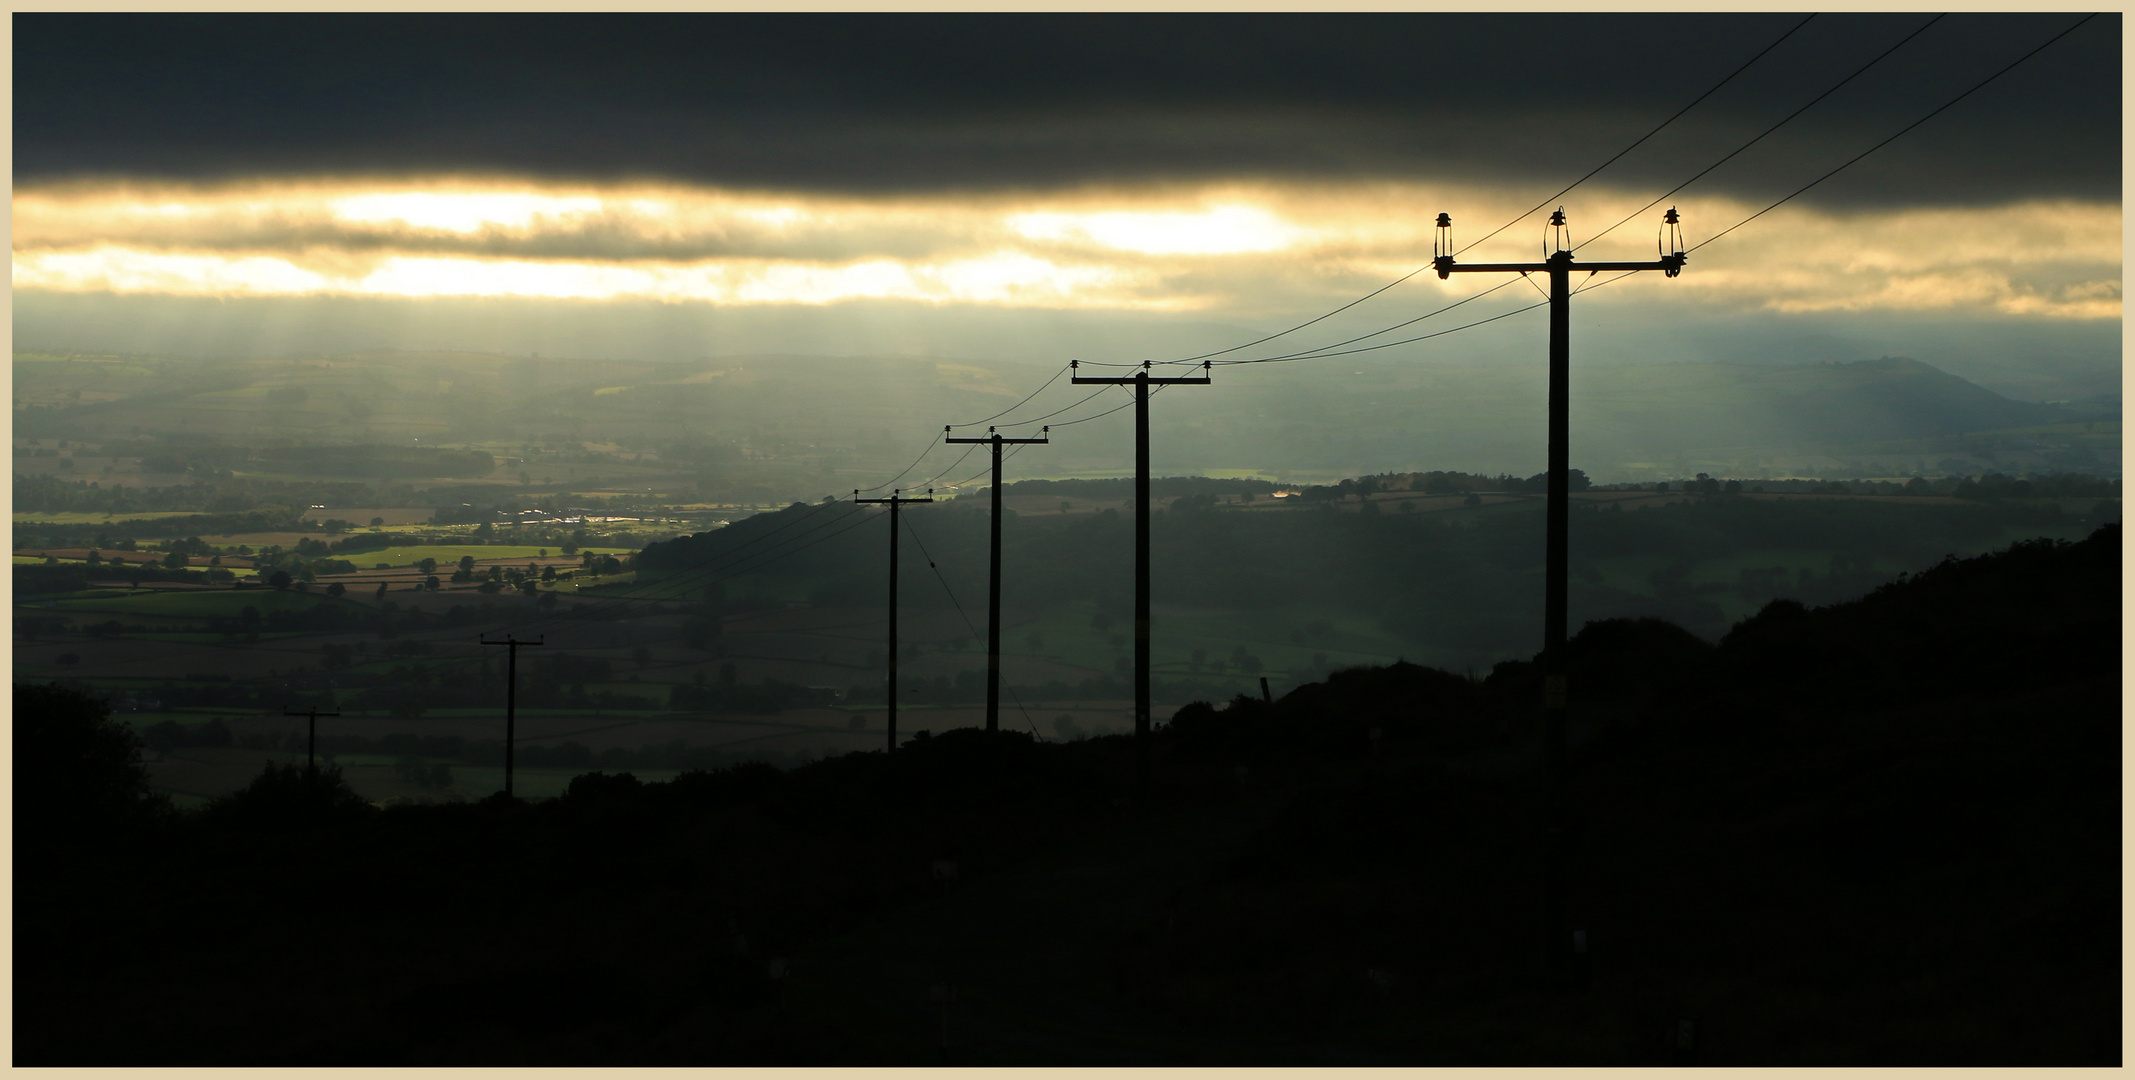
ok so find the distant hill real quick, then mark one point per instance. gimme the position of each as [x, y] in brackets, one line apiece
[1712, 405]
[817, 424]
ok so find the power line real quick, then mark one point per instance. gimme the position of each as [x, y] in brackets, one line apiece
[1767, 131]
[1306, 353]
[968, 625]
[1026, 400]
[1886, 142]
[1642, 138]
[705, 572]
[932, 440]
[1055, 412]
[1589, 176]
[1107, 412]
[1389, 344]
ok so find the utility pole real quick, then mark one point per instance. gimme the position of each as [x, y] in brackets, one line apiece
[1556, 940]
[311, 734]
[512, 646]
[893, 502]
[993, 593]
[1141, 381]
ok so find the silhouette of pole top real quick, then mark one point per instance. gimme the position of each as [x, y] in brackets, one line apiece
[1670, 263]
[1143, 377]
[896, 497]
[513, 640]
[993, 435]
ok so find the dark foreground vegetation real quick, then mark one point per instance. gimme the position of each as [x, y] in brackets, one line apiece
[1881, 832]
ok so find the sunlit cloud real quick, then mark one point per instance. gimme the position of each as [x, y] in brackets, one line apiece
[1222, 230]
[468, 212]
[1002, 278]
[1237, 249]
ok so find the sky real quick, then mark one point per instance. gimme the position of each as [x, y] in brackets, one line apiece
[1037, 187]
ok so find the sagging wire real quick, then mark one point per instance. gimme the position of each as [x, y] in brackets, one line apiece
[1055, 412]
[1391, 344]
[1745, 66]
[1306, 354]
[1641, 139]
[1886, 142]
[953, 602]
[1064, 368]
[1863, 69]
[932, 441]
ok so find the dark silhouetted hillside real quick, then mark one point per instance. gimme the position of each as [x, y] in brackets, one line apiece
[1884, 832]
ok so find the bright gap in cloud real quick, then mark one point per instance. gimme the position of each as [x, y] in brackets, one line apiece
[1221, 230]
[1239, 250]
[461, 212]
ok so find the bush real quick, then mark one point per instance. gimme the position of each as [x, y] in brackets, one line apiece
[288, 798]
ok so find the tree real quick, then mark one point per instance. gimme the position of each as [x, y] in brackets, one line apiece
[529, 586]
[78, 773]
[548, 573]
[336, 589]
[431, 583]
[427, 565]
[381, 590]
[289, 798]
[279, 579]
[377, 521]
[467, 563]
[176, 560]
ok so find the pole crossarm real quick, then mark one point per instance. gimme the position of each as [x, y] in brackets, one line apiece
[895, 500]
[311, 733]
[993, 583]
[1671, 265]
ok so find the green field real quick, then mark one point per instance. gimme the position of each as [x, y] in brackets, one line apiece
[1631, 573]
[1066, 637]
[204, 604]
[448, 555]
[68, 517]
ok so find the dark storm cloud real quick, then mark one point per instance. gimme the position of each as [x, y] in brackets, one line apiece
[919, 102]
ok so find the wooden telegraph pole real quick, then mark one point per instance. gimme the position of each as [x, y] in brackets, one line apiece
[993, 594]
[311, 734]
[512, 646]
[893, 502]
[1556, 941]
[1141, 381]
